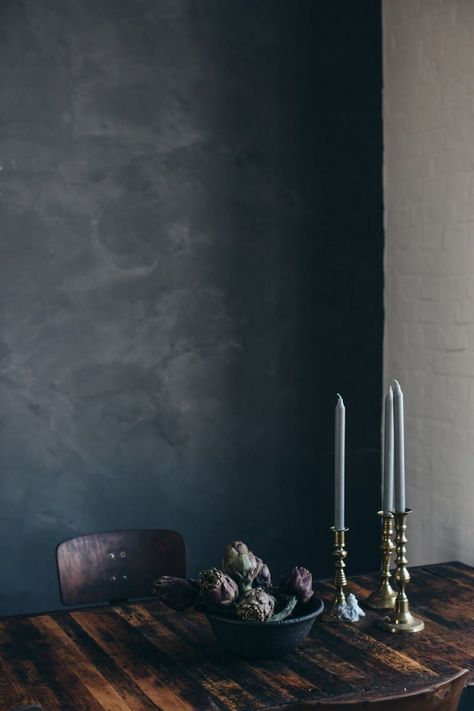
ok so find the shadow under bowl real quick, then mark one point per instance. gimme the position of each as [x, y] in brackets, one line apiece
[265, 640]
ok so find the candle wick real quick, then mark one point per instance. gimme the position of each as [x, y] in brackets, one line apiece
[397, 386]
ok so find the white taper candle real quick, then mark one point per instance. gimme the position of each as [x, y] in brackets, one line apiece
[387, 488]
[399, 449]
[339, 454]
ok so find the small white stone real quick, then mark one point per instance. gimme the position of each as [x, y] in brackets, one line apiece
[351, 610]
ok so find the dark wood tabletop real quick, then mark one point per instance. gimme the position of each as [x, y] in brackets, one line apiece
[143, 656]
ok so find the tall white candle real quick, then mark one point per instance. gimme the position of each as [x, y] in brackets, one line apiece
[399, 449]
[387, 489]
[339, 464]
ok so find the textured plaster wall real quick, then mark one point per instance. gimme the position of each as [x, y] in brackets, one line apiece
[190, 269]
[429, 262]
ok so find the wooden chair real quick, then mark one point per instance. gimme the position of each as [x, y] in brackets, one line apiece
[440, 696]
[117, 565]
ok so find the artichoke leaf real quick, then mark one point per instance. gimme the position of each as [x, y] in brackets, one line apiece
[286, 611]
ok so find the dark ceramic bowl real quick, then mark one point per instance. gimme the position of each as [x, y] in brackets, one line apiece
[265, 639]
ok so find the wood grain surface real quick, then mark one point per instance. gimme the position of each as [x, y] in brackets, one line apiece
[144, 656]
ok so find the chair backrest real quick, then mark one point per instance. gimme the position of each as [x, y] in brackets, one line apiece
[117, 565]
[440, 696]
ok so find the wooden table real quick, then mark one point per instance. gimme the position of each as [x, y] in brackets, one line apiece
[143, 656]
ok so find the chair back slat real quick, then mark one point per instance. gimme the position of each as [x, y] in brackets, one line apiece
[117, 565]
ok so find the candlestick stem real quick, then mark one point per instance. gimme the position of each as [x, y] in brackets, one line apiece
[384, 597]
[340, 581]
[401, 619]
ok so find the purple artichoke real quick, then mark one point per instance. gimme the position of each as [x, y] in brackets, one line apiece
[218, 587]
[177, 593]
[298, 583]
[241, 564]
[263, 578]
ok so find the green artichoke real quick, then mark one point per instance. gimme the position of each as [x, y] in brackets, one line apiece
[218, 587]
[263, 578]
[241, 564]
[177, 593]
[299, 583]
[255, 606]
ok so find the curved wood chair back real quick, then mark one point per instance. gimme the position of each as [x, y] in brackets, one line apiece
[117, 565]
[440, 696]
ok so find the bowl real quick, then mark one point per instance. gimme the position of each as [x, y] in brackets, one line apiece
[265, 640]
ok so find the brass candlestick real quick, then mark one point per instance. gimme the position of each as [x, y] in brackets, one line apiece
[401, 619]
[340, 582]
[384, 597]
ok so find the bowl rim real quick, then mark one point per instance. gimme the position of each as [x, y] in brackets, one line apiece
[288, 621]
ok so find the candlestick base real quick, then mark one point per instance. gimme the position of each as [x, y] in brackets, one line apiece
[332, 615]
[381, 599]
[401, 619]
[407, 623]
[384, 597]
[340, 582]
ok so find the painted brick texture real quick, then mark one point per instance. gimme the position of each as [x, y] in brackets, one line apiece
[429, 263]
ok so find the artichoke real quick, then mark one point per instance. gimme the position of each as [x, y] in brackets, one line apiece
[241, 564]
[255, 606]
[263, 578]
[218, 587]
[177, 593]
[299, 583]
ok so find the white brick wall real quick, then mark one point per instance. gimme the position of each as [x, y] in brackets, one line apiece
[429, 262]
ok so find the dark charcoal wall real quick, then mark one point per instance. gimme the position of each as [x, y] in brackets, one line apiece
[190, 268]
